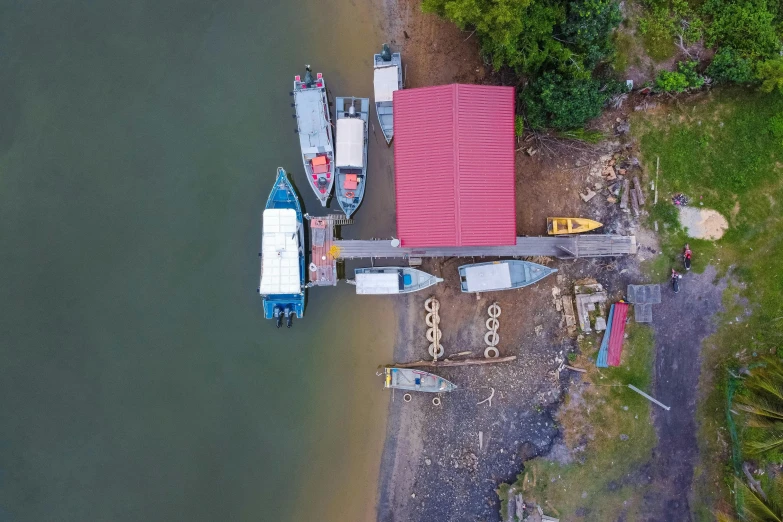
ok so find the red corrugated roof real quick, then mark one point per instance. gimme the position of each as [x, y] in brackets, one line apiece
[454, 165]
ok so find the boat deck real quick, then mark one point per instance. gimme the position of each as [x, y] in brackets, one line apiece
[563, 247]
[313, 133]
[322, 256]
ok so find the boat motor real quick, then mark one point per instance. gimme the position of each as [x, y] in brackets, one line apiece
[386, 53]
[290, 318]
[351, 111]
[308, 79]
[279, 316]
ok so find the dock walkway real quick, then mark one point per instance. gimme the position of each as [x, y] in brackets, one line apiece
[562, 247]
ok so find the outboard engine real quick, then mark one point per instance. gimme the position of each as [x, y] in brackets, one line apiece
[352, 110]
[279, 316]
[386, 53]
[308, 79]
[290, 316]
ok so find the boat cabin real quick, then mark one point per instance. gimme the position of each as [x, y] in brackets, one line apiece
[350, 153]
[280, 253]
[485, 277]
[382, 283]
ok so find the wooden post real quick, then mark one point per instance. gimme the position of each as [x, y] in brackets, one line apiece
[657, 166]
[639, 192]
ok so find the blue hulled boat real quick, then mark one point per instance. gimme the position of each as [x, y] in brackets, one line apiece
[282, 284]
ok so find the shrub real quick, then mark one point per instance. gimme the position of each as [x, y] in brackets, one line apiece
[771, 75]
[684, 78]
[553, 100]
[588, 27]
[776, 126]
[728, 66]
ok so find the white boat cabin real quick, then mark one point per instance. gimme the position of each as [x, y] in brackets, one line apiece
[350, 142]
[386, 81]
[280, 253]
[372, 283]
[481, 278]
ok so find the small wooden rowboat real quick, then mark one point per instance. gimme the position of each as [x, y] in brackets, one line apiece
[416, 380]
[562, 225]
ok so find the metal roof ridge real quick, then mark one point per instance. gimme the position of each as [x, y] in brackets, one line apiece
[455, 149]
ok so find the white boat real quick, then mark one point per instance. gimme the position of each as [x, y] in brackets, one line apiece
[392, 280]
[501, 275]
[387, 78]
[351, 159]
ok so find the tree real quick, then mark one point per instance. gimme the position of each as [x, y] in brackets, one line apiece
[758, 507]
[747, 26]
[588, 28]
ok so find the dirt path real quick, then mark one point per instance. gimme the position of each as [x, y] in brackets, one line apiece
[681, 322]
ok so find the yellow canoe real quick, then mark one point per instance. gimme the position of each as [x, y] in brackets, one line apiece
[561, 225]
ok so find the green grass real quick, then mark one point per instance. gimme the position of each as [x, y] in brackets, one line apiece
[600, 483]
[722, 151]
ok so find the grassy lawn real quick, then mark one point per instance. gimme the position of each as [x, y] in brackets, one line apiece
[724, 150]
[601, 482]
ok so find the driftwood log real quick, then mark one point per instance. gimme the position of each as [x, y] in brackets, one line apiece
[447, 362]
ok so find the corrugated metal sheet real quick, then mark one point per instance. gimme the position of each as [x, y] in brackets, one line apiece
[454, 166]
[618, 334]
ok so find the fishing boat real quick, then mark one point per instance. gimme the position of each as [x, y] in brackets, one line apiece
[562, 225]
[416, 380]
[501, 275]
[350, 164]
[392, 280]
[387, 79]
[282, 285]
[314, 126]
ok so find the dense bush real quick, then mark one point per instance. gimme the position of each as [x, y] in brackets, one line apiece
[554, 100]
[747, 26]
[771, 75]
[729, 66]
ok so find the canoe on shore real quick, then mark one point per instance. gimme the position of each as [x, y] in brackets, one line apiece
[564, 225]
[501, 275]
[416, 380]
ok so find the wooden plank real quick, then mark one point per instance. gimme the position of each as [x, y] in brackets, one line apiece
[624, 195]
[638, 187]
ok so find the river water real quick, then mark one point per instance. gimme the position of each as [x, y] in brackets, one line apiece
[139, 380]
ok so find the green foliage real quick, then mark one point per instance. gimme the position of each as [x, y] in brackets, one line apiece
[589, 26]
[515, 33]
[762, 402]
[747, 26]
[666, 20]
[729, 66]
[771, 75]
[681, 80]
[519, 126]
[556, 101]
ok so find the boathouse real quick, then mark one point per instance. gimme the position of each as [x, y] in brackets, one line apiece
[454, 166]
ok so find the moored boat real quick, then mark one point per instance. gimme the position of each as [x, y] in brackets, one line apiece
[387, 78]
[416, 380]
[350, 164]
[501, 275]
[282, 285]
[392, 280]
[314, 126]
[563, 225]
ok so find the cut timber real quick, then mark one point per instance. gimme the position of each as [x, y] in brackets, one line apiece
[638, 187]
[447, 362]
[574, 368]
[624, 195]
[635, 202]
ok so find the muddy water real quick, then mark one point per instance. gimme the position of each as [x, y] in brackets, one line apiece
[138, 143]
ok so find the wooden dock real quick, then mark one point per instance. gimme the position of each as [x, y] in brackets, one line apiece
[562, 247]
[323, 262]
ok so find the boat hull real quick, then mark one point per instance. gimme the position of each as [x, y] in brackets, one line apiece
[416, 380]
[314, 127]
[351, 180]
[282, 306]
[561, 225]
[501, 275]
[384, 108]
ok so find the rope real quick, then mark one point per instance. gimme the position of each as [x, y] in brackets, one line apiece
[432, 306]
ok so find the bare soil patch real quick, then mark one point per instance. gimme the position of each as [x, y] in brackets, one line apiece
[703, 223]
